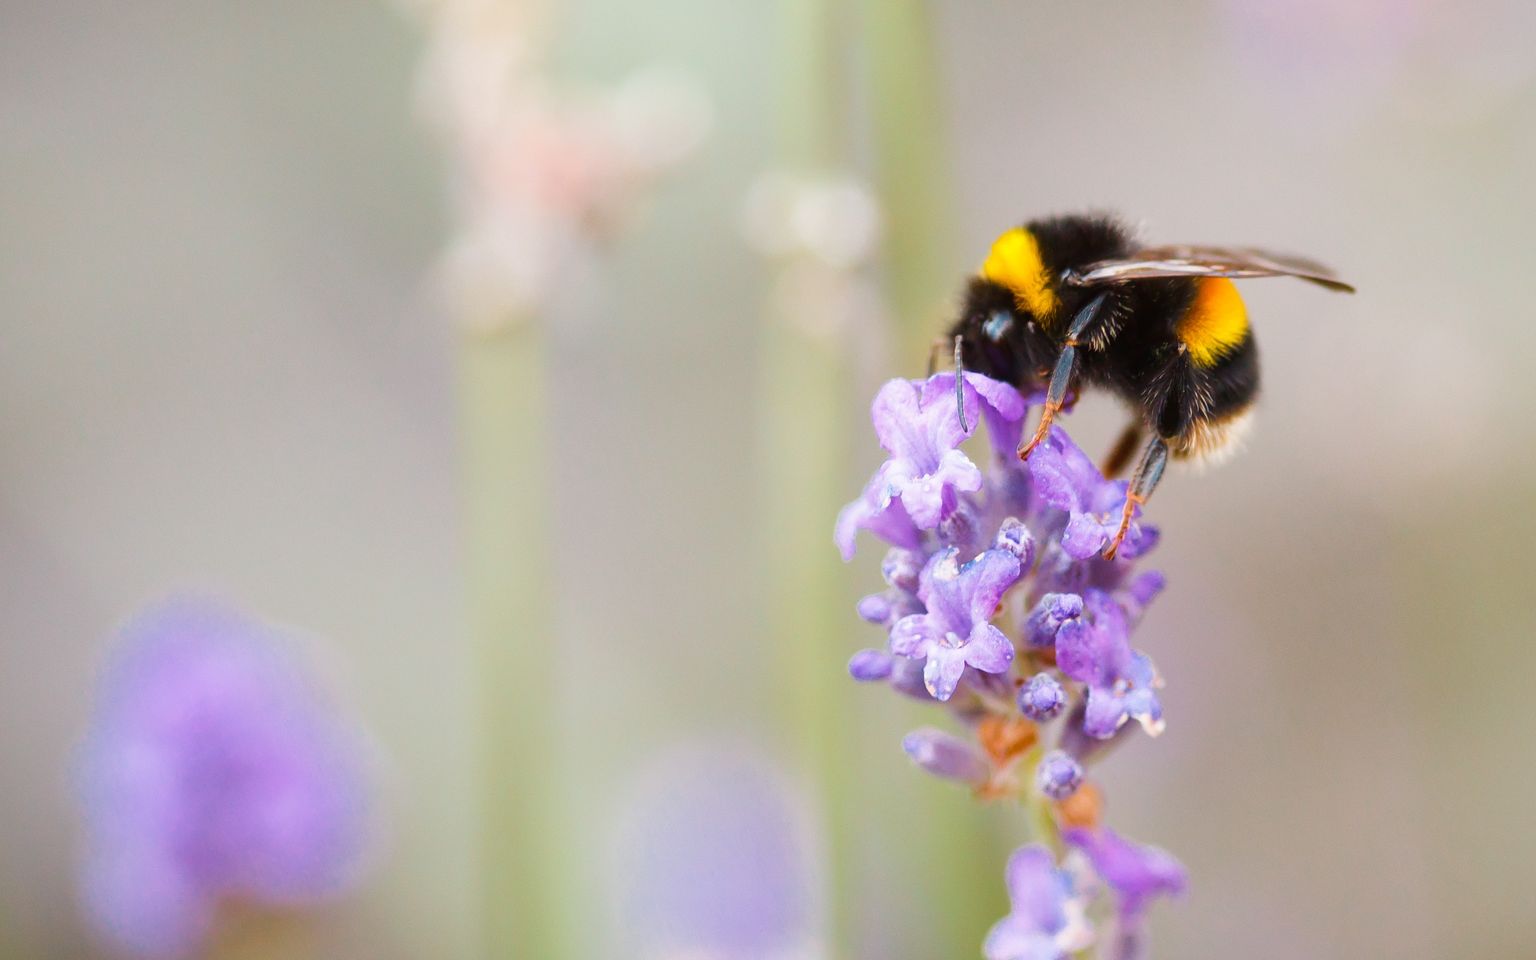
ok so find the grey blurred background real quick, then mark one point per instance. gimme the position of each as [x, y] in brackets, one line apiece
[224, 367]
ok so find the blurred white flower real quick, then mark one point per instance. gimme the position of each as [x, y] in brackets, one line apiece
[835, 220]
[825, 233]
[543, 173]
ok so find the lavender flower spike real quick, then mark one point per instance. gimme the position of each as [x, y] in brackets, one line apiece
[212, 769]
[1046, 920]
[1019, 543]
[956, 631]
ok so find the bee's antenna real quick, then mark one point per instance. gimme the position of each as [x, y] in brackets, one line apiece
[960, 386]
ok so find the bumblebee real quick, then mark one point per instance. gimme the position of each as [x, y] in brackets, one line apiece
[1072, 303]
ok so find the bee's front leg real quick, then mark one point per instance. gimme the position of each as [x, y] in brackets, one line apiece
[1061, 377]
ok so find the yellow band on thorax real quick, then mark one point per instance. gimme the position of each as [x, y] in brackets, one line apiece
[1015, 263]
[1216, 322]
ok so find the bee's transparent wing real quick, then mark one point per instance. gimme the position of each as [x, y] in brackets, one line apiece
[1190, 261]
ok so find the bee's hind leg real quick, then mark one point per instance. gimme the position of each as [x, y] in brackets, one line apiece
[1149, 470]
[1120, 454]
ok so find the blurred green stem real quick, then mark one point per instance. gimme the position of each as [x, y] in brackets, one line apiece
[503, 406]
[911, 169]
[961, 862]
[1038, 815]
[805, 441]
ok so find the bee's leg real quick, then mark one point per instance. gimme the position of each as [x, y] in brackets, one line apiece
[1061, 377]
[938, 344]
[1120, 454]
[1149, 470]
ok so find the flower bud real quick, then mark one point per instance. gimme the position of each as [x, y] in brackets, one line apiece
[1058, 775]
[945, 755]
[869, 665]
[1042, 698]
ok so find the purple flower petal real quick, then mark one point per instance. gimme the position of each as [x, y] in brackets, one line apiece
[1046, 620]
[909, 637]
[1067, 479]
[1002, 407]
[1063, 475]
[1135, 872]
[989, 650]
[954, 631]
[884, 517]
[942, 672]
[1095, 650]
[926, 471]
[986, 579]
[1045, 921]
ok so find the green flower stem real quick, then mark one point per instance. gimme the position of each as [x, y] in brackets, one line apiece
[503, 408]
[1039, 816]
[804, 449]
[911, 169]
[963, 854]
[809, 613]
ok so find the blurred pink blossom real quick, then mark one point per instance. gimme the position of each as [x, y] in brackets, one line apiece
[543, 172]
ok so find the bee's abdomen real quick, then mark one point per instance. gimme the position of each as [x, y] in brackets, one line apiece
[1221, 403]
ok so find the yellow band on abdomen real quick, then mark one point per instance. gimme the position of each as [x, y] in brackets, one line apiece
[1216, 322]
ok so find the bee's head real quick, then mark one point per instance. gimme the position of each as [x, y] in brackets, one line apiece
[995, 332]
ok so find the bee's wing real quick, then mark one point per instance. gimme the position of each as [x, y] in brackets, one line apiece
[1188, 261]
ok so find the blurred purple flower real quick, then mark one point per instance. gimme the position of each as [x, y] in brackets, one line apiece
[1045, 921]
[956, 631]
[212, 769]
[714, 861]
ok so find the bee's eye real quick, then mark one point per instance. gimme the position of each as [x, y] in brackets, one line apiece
[998, 325]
